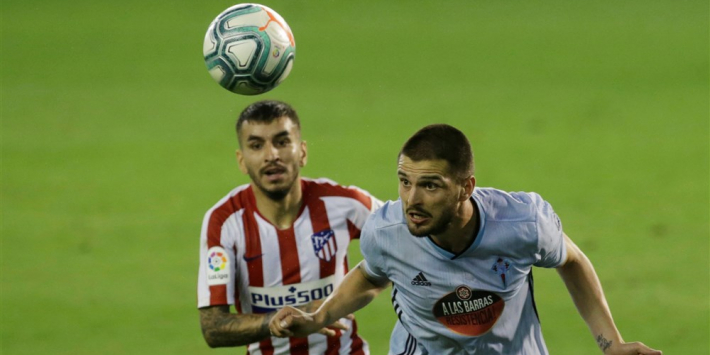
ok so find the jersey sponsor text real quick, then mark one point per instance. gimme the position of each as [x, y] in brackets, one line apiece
[469, 312]
[267, 299]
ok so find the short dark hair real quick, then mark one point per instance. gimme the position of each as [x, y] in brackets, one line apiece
[265, 112]
[441, 141]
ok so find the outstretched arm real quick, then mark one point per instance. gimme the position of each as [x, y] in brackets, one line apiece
[222, 328]
[355, 292]
[583, 285]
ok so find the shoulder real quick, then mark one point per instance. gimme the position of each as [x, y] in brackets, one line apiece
[227, 208]
[524, 223]
[382, 229]
[389, 215]
[239, 198]
[508, 206]
[323, 188]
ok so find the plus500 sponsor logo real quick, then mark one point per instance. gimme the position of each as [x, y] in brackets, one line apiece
[290, 295]
[298, 298]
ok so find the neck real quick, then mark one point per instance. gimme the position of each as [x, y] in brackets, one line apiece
[281, 213]
[462, 229]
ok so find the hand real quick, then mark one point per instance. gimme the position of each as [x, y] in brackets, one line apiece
[330, 331]
[635, 348]
[312, 306]
[293, 322]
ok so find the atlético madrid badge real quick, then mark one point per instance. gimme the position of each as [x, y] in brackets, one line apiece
[469, 312]
[324, 244]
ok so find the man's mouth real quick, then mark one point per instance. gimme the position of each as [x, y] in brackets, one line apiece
[418, 217]
[274, 173]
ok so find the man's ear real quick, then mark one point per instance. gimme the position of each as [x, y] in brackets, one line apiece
[240, 161]
[468, 187]
[304, 154]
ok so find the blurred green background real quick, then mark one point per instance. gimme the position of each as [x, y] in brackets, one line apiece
[115, 141]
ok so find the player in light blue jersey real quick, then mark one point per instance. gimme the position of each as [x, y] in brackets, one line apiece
[460, 259]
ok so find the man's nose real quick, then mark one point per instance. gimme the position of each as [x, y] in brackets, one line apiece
[413, 196]
[271, 153]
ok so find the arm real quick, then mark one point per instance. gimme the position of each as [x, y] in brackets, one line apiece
[221, 328]
[356, 291]
[586, 291]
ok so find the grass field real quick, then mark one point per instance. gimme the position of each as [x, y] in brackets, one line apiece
[115, 141]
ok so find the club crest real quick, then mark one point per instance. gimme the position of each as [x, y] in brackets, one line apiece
[501, 267]
[324, 244]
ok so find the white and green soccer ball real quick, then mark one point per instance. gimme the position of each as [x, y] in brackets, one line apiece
[249, 49]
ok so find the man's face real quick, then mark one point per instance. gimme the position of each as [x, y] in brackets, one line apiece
[272, 154]
[429, 195]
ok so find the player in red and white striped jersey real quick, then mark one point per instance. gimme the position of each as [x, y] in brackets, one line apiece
[280, 240]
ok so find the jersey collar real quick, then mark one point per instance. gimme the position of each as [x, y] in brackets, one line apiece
[477, 241]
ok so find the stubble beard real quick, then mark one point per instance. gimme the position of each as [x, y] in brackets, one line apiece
[276, 193]
[437, 228]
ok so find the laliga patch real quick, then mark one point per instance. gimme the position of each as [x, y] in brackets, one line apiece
[469, 312]
[218, 271]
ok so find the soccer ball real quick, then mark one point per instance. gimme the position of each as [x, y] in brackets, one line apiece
[249, 49]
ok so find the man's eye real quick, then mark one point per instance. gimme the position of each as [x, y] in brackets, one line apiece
[431, 186]
[404, 182]
[255, 146]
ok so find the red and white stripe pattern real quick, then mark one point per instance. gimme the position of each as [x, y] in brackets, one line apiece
[324, 244]
[270, 268]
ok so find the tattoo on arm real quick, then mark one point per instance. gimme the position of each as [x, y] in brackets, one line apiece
[603, 343]
[222, 328]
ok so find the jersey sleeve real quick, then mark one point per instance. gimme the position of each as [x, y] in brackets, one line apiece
[216, 273]
[367, 199]
[368, 205]
[375, 204]
[551, 250]
[374, 258]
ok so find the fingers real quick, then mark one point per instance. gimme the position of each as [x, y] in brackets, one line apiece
[642, 349]
[636, 348]
[328, 332]
[331, 330]
[288, 322]
[292, 322]
[279, 327]
[338, 325]
[281, 321]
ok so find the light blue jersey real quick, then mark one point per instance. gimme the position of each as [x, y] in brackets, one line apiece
[479, 301]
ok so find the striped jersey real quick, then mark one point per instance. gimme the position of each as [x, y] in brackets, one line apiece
[247, 262]
[479, 301]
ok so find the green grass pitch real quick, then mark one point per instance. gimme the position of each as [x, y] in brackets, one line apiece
[115, 141]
